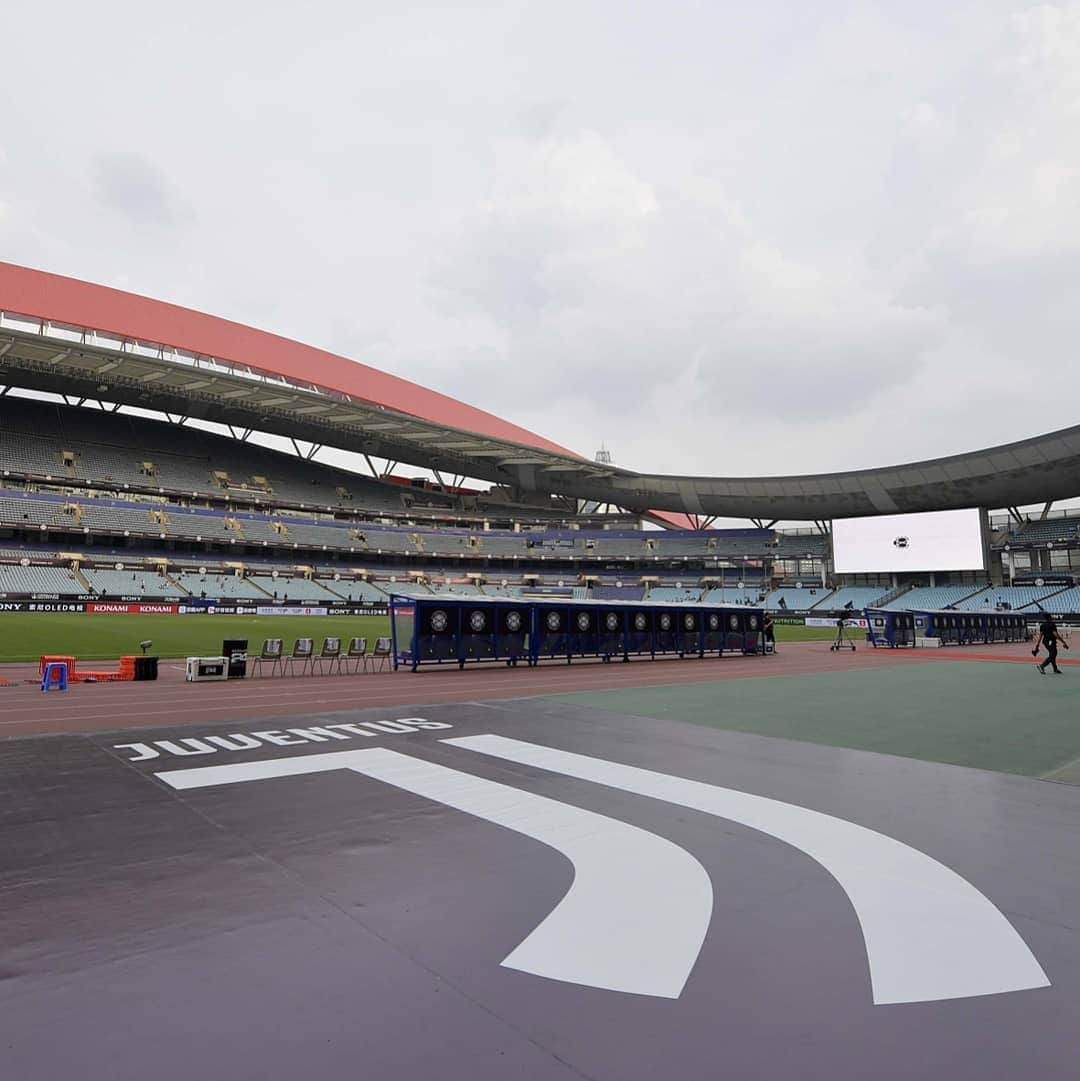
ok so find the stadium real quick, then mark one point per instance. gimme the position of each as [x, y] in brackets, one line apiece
[229, 557]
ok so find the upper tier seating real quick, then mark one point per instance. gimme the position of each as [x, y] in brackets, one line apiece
[1064, 530]
[115, 449]
[146, 516]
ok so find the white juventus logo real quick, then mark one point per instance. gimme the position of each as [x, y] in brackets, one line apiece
[929, 934]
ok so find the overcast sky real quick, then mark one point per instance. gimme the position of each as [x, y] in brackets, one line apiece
[721, 238]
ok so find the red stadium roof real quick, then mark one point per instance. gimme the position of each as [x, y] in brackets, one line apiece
[78, 303]
[72, 302]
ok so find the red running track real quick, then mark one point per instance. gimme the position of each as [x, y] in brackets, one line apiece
[25, 710]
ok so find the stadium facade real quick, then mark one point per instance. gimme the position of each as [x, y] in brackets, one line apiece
[88, 489]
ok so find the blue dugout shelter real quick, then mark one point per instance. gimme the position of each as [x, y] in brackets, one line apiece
[949, 626]
[448, 629]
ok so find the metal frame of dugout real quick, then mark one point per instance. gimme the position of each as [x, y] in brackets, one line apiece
[950, 627]
[449, 630]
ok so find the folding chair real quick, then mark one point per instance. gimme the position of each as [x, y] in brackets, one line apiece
[301, 654]
[330, 655]
[357, 652]
[271, 655]
[381, 652]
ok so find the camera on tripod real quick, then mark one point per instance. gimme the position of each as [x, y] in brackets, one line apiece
[843, 617]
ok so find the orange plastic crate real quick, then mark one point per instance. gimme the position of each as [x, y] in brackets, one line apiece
[69, 661]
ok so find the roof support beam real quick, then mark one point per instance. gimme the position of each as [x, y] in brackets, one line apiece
[1046, 511]
[307, 455]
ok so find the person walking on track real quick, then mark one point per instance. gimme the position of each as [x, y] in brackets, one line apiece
[1049, 637]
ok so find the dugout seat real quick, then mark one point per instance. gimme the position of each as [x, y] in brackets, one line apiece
[381, 653]
[301, 655]
[328, 658]
[356, 655]
[270, 654]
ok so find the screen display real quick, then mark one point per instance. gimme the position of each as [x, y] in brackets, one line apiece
[948, 540]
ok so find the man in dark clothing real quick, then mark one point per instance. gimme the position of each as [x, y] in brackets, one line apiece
[770, 634]
[1049, 637]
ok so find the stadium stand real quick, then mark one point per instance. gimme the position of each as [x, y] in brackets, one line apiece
[618, 593]
[1068, 600]
[931, 598]
[857, 597]
[664, 593]
[1063, 530]
[218, 586]
[118, 450]
[408, 589]
[796, 600]
[730, 596]
[994, 598]
[16, 579]
[359, 592]
[293, 588]
[125, 582]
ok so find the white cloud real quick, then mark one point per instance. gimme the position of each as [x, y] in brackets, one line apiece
[722, 239]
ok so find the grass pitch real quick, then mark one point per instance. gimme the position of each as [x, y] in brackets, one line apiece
[26, 636]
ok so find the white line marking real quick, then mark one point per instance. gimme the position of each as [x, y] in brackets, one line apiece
[929, 933]
[636, 913]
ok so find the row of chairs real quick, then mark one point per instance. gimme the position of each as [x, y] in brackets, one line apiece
[332, 658]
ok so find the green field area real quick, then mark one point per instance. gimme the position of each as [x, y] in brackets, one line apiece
[25, 636]
[991, 715]
[792, 633]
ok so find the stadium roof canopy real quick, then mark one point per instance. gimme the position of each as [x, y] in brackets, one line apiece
[90, 342]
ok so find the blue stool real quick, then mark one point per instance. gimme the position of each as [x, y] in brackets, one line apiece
[55, 675]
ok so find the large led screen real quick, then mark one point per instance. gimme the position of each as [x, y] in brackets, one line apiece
[948, 540]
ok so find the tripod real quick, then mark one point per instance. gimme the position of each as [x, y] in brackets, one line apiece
[842, 640]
